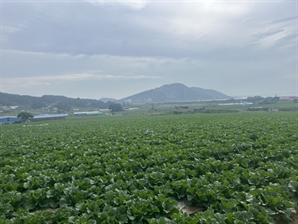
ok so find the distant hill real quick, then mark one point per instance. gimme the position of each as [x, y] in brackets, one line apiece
[176, 92]
[34, 102]
[167, 93]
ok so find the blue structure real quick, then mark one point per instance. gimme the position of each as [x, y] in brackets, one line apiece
[9, 119]
[49, 116]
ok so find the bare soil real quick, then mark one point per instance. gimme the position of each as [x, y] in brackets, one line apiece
[294, 217]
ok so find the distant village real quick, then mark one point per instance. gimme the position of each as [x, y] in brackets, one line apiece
[56, 111]
[52, 113]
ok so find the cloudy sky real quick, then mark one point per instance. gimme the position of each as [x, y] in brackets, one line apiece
[95, 49]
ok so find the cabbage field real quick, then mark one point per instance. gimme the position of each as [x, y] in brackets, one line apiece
[229, 168]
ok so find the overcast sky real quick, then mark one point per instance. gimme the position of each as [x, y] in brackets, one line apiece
[95, 49]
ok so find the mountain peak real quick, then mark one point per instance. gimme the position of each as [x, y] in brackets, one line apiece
[175, 85]
[175, 92]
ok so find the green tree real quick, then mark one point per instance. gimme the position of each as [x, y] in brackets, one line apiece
[115, 107]
[270, 100]
[63, 107]
[25, 116]
[37, 105]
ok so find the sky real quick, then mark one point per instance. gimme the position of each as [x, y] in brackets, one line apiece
[98, 48]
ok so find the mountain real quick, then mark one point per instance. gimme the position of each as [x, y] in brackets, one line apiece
[167, 93]
[105, 99]
[210, 93]
[176, 92]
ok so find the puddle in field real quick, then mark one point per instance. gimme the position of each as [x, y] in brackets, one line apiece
[52, 210]
[188, 209]
[192, 210]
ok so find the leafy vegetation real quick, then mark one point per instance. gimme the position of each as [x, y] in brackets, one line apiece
[237, 168]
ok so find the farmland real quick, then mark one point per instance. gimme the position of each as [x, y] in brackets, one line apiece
[233, 168]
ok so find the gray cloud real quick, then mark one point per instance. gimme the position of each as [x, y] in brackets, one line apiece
[284, 20]
[267, 34]
[205, 44]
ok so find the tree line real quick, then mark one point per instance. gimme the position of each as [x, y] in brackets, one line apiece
[62, 103]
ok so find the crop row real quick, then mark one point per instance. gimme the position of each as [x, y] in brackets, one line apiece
[233, 168]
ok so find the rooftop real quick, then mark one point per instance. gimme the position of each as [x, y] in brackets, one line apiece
[49, 116]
